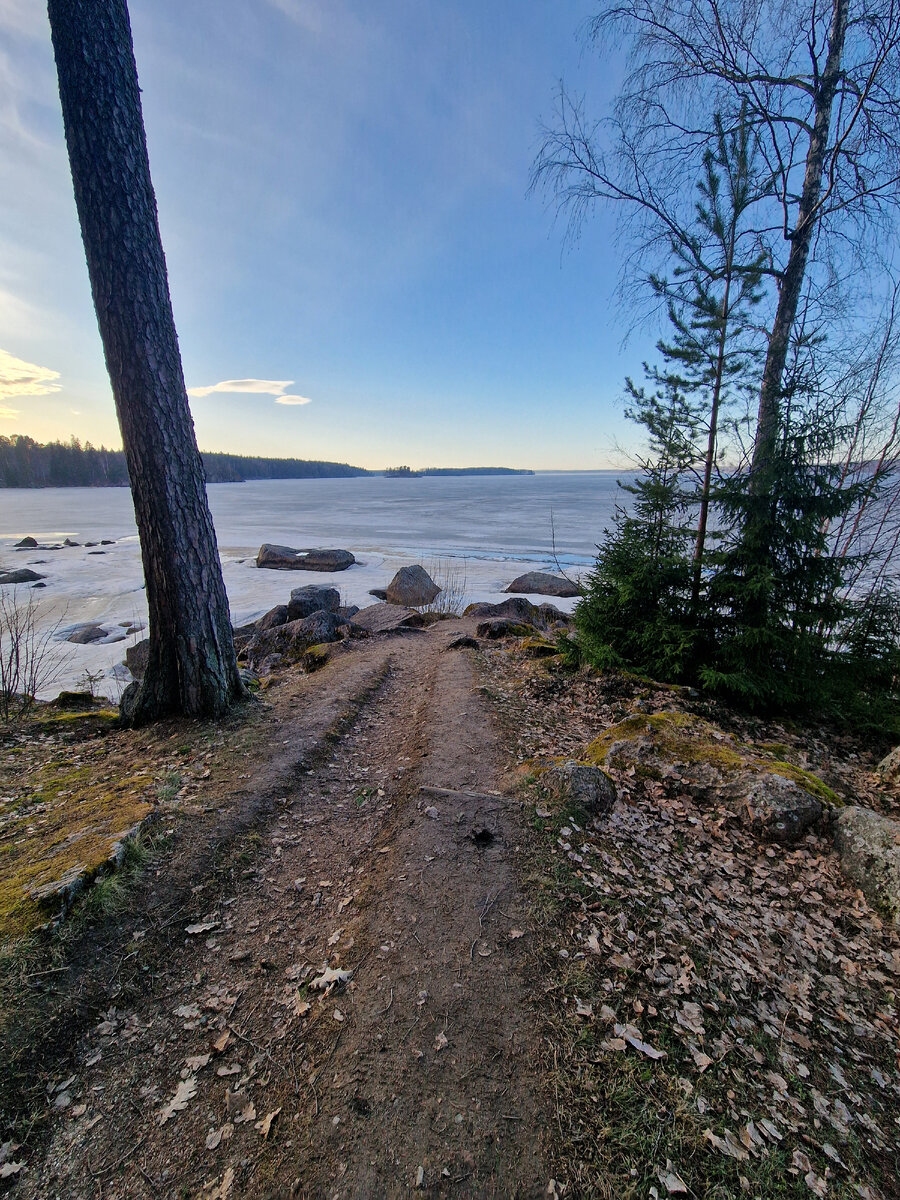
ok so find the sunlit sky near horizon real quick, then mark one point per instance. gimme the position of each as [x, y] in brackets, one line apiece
[357, 270]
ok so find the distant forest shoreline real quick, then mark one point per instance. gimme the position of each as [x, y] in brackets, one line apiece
[25, 463]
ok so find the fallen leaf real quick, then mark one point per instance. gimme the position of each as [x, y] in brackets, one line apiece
[728, 1145]
[11, 1168]
[440, 1042]
[219, 1191]
[614, 1044]
[221, 1041]
[583, 1010]
[338, 1015]
[191, 1011]
[266, 1123]
[184, 1093]
[515, 933]
[200, 927]
[239, 1107]
[671, 1180]
[330, 977]
[197, 1061]
[650, 1051]
[215, 1136]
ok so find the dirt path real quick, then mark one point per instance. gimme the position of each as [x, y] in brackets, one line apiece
[416, 1072]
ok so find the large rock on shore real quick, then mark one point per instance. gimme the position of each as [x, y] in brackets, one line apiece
[540, 583]
[869, 846]
[517, 608]
[586, 787]
[294, 638]
[313, 597]
[285, 558]
[411, 587]
[385, 618]
[20, 575]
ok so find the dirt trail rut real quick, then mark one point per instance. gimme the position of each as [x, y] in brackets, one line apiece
[414, 1075]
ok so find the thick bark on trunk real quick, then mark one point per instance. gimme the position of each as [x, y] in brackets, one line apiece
[192, 667]
[769, 414]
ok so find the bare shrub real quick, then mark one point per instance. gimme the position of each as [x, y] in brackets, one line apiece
[30, 659]
[450, 575]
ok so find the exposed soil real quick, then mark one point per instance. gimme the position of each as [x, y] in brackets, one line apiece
[219, 1067]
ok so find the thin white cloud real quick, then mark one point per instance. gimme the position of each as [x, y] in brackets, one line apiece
[266, 387]
[253, 387]
[20, 378]
[8, 414]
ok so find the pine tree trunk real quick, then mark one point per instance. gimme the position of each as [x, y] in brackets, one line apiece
[191, 667]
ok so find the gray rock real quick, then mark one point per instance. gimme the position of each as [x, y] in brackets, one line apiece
[107, 541]
[869, 846]
[292, 639]
[69, 542]
[501, 627]
[27, 543]
[774, 808]
[411, 587]
[385, 618]
[37, 585]
[519, 609]
[136, 658]
[581, 784]
[462, 643]
[347, 611]
[83, 635]
[540, 583]
[248, 678]
[20, 575]
[314, 597]
[285, 558]
[70, 700]
[889, 767]
[275, 616]
[378, 593]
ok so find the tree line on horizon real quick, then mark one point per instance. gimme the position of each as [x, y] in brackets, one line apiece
[26, 463]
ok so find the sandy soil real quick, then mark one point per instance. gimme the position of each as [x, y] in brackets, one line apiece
[330, 1001]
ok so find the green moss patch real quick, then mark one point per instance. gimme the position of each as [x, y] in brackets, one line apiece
[684, 738]
[60, 823]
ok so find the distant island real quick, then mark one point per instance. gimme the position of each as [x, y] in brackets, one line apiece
[409, 473]
[25, 463]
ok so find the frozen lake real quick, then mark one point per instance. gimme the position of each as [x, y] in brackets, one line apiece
[481, 530]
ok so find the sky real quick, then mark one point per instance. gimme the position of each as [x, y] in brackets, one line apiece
[357, 268]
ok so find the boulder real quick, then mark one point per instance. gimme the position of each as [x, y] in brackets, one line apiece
[378, 593]
[462, 643]
[136, 658]
[275, 616]
[294, 638]
[869, 845]
[385, 618]
[538, 646]
[285, 558]
[411, 587]
[76, 700]
[107, 541]
[540, 583]
[889, 767]
[69, 542]
[20, 575]
[517, 608]
[83, 635]
[580, 784]
[347, 611]
[773, 808]
[27, 543]
[501, 627]
[314, 597]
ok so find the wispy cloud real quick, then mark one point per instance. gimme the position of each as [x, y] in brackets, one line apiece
[253, 387]
[20, 378]
[8, 414]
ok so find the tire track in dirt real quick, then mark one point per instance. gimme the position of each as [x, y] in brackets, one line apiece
[421, 1071]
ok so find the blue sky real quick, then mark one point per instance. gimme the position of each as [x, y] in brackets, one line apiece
[342, 188]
